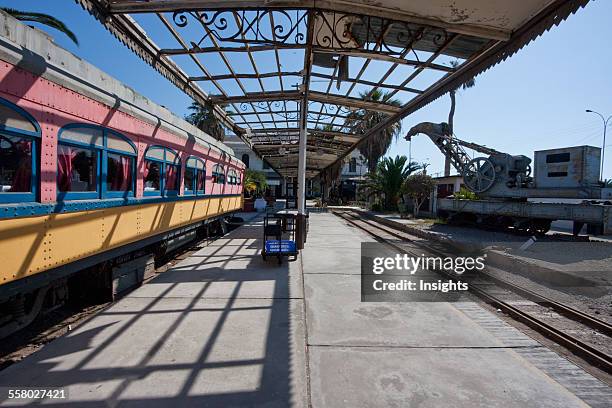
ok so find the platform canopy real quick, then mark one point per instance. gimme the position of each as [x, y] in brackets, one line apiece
[273, 67]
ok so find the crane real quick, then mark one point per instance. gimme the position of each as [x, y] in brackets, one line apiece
[496, 175]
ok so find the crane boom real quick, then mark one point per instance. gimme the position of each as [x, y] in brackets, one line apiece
[450, 146]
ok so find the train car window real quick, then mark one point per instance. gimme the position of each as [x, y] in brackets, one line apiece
[172, 177]
[77, 170]
[91, 136]
[195, 176]
[195, 163]
[156, 153]
[189, 179]
[119, 144]
[15, 164]
[170, 156]
[162, 172]
[119, 167]
[152, 178]
[13, 119]
[218, 174]
[19, 135]
[232, 177]
[94, 162]
[201, 181]
[119, 173]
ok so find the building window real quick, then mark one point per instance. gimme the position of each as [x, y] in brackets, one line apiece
[353, 165]
[218, 174]
[19, 134]
[94, 162]
[195, 176]
[266, 165]
[246, 159]
[162, 172]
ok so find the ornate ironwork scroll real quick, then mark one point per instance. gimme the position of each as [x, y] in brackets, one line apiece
[248, 26]
[342, 31]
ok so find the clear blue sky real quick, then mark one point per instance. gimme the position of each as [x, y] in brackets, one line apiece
[535, 100]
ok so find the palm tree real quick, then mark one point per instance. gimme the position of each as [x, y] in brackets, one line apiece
[389, 178]
[204, 118]
[362, 120]
[470, 83]
[41, 18]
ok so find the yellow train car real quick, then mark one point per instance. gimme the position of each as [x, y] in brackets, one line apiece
[93, 183]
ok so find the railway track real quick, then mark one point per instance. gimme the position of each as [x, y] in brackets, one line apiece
[567, 326]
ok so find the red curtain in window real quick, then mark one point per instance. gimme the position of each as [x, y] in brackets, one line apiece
[126, 166]
[200, 181]
[146, 169]
[171, 176]
[123, 177]
[23, 174]
[65, 155]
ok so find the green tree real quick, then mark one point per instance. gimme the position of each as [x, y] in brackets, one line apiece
[419, 188]
[41, 18]
[254, 182]
[363, 120]
[204, 118]
[388, 179]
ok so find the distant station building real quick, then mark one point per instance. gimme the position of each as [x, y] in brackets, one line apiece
[353, 174]
[277, 186]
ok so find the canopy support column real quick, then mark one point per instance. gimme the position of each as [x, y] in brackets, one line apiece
[301, 181]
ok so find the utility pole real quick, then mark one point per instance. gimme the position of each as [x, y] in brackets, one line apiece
[603, 145]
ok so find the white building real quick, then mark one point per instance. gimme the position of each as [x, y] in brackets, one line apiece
[353, 173]
[242, 151]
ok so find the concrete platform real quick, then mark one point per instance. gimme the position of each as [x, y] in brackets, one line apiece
[386, 377]
[221, 328]
[418, 354]
[225, 329]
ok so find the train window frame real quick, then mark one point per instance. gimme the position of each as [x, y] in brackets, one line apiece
[196, 170]
[215, 174]
[101, 152]
[34, 138]
[232, 176]
[163, 192]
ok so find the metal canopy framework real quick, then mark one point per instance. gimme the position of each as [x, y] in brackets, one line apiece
[274, 67]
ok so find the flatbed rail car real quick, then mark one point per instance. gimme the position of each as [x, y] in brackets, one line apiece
[92, 175]
[529, 216]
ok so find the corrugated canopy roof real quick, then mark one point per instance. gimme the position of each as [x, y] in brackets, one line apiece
[273, 66]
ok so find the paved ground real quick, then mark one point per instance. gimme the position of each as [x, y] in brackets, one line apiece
[223, 328]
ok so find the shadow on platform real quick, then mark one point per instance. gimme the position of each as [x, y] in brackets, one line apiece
[222, 328]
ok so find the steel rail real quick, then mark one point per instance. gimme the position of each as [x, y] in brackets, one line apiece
[575, 314]
[578, 347]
